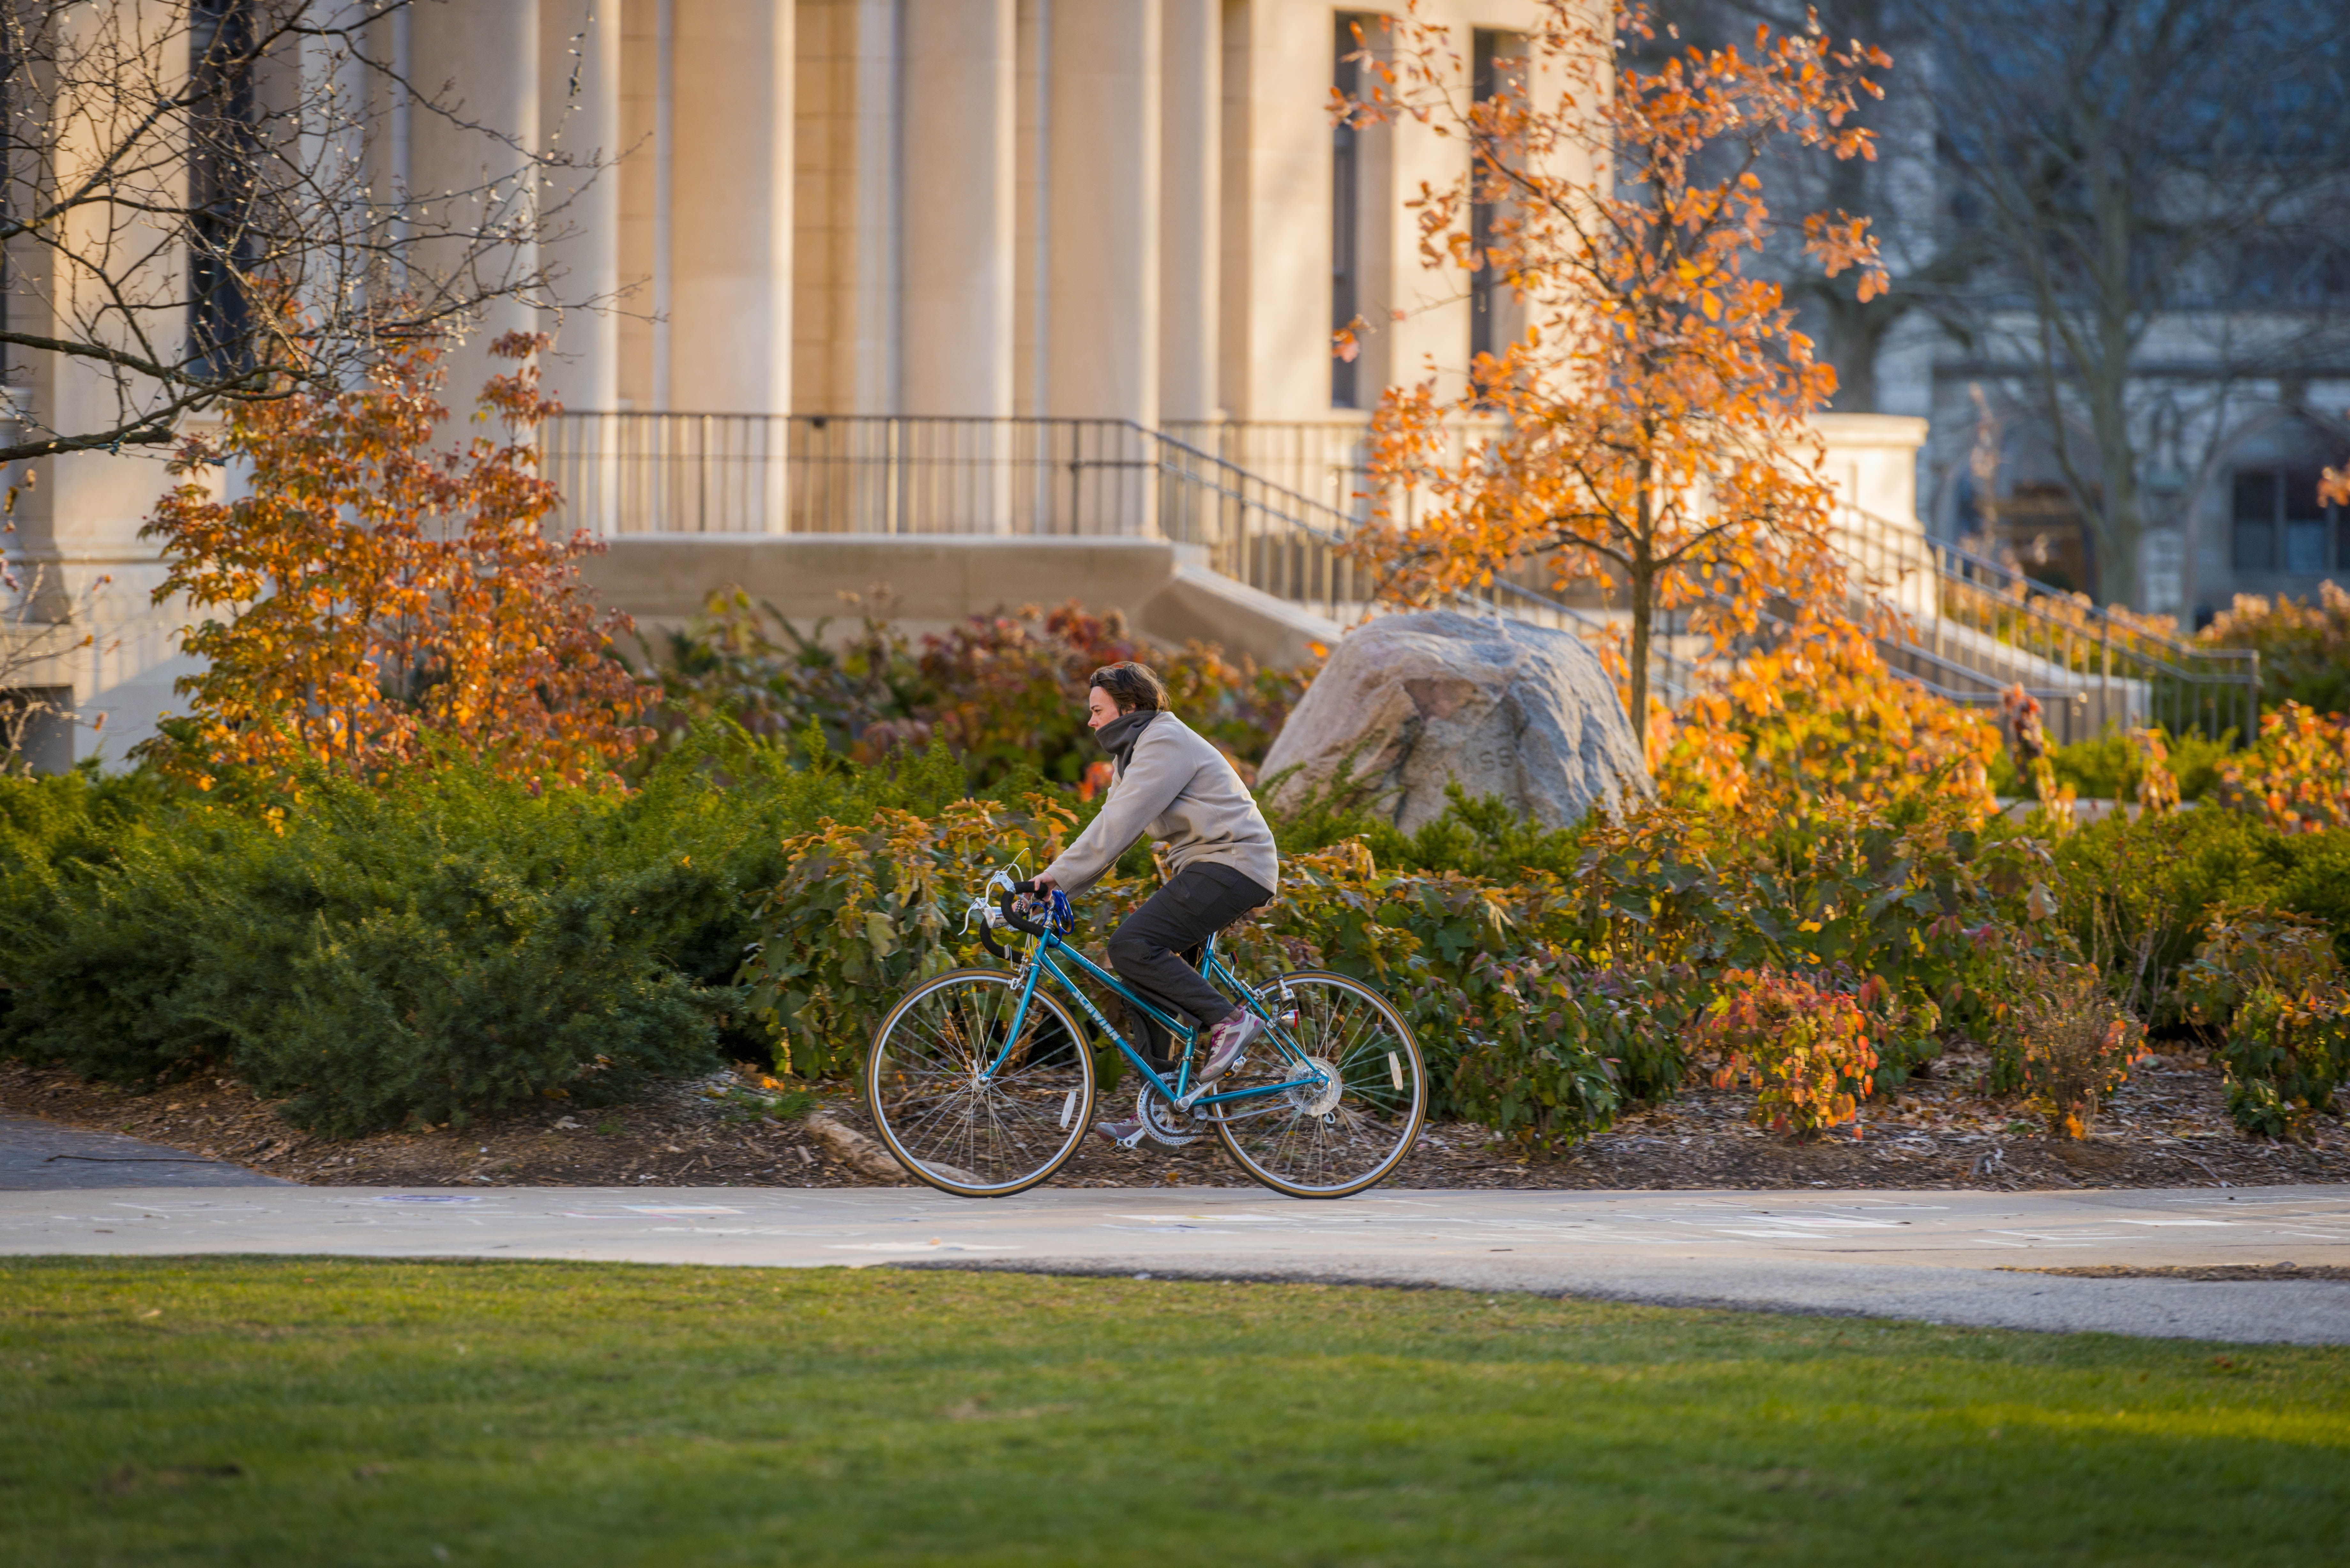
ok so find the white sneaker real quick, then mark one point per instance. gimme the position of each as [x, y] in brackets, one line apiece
[1226, 1043]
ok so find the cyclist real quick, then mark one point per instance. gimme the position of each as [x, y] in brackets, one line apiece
[1170, 783]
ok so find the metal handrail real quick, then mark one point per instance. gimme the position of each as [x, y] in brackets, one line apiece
[793, 473]
[1966, 609]
[2114, 671]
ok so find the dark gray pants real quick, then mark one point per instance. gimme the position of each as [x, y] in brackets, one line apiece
[1197, 902]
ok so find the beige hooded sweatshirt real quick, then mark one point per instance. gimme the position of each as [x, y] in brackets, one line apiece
[1179, 789]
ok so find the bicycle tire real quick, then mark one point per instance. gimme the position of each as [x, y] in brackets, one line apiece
[947, 1129]
[1309, 1149]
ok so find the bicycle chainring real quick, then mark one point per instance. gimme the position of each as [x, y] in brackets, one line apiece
[1159, 1119]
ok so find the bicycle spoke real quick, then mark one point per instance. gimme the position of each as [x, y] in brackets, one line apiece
[967, 1129]
[1344, 1135]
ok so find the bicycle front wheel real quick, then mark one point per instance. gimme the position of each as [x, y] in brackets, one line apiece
[1350, 1131]
[966, 1107]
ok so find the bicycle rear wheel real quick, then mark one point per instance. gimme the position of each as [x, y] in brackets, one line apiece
[1350, 1132]
[950, 1121]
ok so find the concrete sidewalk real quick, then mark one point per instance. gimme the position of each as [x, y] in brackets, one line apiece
[1947, 1257]
[39, 1156]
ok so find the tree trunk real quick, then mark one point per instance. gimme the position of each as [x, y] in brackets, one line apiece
[1643, 582]
[2117, 515]
[1640, 578]
[1851, 332]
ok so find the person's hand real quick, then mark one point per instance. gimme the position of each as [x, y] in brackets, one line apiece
[1042, 884]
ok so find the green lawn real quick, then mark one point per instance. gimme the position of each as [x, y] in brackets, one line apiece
[330, 1412]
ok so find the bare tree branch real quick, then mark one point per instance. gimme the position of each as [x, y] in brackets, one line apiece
[164, 169]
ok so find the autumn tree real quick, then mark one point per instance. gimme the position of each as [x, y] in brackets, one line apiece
[371, 597]
[1651, 432]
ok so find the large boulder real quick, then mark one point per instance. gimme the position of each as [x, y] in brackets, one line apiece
[1419, 701]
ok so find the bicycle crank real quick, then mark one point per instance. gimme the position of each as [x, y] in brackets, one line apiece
[1158, 1118]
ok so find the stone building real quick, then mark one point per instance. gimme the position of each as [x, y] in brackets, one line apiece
[980, 302]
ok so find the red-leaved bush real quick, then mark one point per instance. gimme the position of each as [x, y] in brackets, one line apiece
[1807, 1049]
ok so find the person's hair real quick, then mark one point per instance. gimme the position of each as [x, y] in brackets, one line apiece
[1131, 686]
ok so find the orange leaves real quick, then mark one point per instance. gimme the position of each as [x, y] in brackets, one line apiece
[371, 598]
[1821, 719]
[2298, 775]
[1843, 242]
[1807, 1049]
[1647, 434]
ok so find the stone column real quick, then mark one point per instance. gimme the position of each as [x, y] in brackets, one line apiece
[959, 85]
[478, 63]
[960, 65]
[1276, 213]
[580, 46]
[1104, 71]
[84, 618]
[1191, 157]
[579, 128]
[731, 207]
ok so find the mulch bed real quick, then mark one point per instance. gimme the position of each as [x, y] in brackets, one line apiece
[2168, 1126]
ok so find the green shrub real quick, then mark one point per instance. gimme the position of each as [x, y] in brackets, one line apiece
[1447, 947]
[2109, 766]
[865, 910]
[420, 956]
[1556, 1046]
[2272, 984]
[445, 948]
[2155, 880]
[2315, 881]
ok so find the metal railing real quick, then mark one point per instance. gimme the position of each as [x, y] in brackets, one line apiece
[1327, 459]
[1275, 539]
[1969, 612]
[1273, 505]
[816, 473]
[623, 473]
[1977, 627]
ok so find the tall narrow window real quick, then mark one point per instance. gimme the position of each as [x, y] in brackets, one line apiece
[2306, 526]
[223, 247]
[2281, 525]
[1497, 60]
[1346, 222]
[2255, 521]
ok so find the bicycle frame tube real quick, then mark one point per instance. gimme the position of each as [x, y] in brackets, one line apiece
[1044, 955]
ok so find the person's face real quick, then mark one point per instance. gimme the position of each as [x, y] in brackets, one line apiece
[1101, 708]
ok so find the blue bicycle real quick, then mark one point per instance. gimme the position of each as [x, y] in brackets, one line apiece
[980, 1081]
